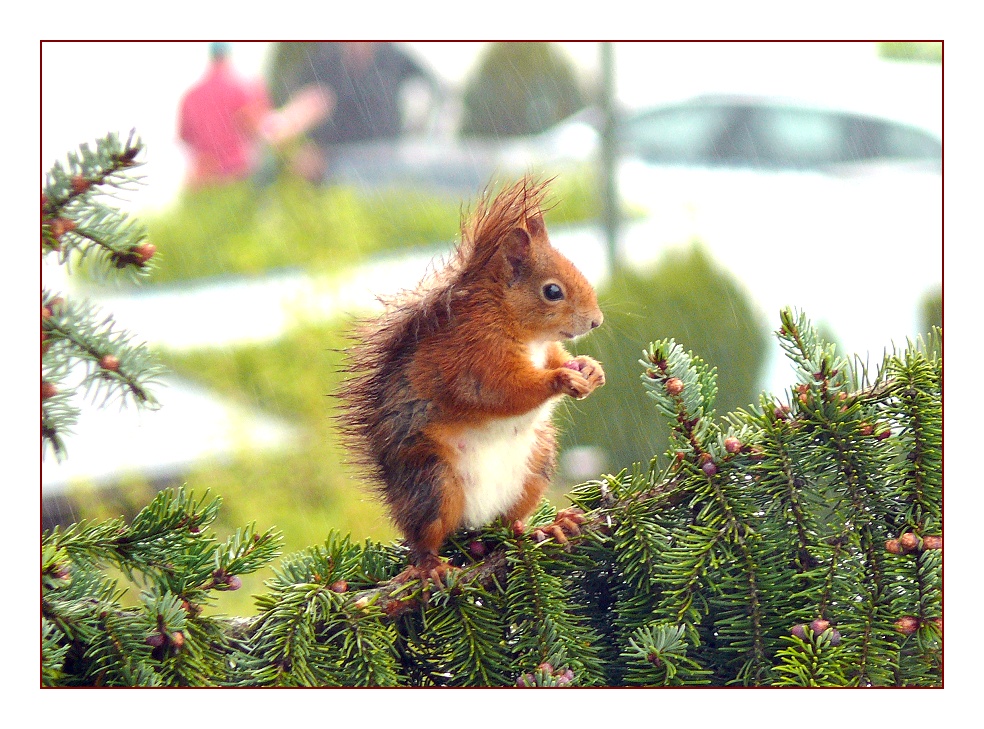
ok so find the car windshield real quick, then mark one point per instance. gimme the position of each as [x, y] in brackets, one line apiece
[796, 137]
[770, 135]
[683, 135]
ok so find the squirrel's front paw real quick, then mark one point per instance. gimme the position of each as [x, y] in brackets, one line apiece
[585, 374]
[571, 382]
[590, 369]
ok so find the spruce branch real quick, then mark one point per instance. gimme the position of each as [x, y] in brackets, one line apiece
[809, 661]
[80, 348]
[656, 655]
[167, 553]
[779, 546]
[78, 332]
[310, 631]
[110, 163]
[546, 629]
[462, 639]
[76, 224]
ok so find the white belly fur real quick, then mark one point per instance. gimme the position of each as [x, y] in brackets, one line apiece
[494, 460]
[494, 463]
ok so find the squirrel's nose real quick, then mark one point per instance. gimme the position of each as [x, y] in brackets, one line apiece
[596, 322]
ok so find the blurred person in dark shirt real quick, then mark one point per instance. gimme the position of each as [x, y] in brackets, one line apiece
[348, 93]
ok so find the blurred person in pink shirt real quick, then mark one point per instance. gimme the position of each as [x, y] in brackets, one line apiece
[220, 122]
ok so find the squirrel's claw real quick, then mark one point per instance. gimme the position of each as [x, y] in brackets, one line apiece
[430, 569]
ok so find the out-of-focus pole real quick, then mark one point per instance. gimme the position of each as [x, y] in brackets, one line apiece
[609, 155]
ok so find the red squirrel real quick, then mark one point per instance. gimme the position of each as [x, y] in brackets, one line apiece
[451, 390]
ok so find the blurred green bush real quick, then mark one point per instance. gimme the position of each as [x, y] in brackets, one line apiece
[520, 88]
[931, 310]
[685, 296]
[925, 51]
[284, 69]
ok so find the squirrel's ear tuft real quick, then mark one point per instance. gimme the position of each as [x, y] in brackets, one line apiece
[516, 247]
[535, 225]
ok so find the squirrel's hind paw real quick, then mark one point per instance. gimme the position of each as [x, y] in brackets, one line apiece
[567, 523]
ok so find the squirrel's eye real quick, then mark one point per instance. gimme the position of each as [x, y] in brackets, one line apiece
[553, 292]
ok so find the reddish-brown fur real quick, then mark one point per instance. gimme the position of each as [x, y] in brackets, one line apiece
[454, 358]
